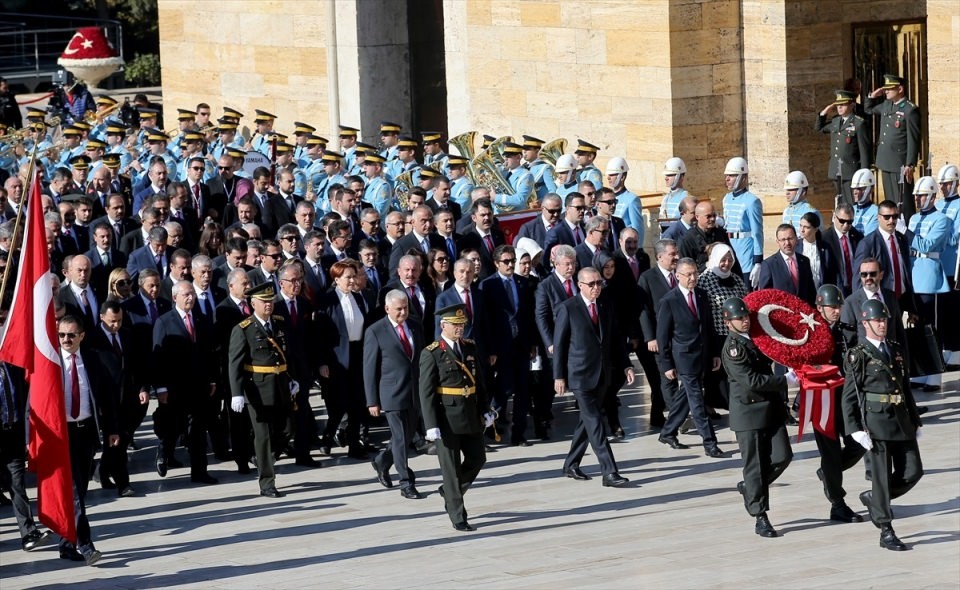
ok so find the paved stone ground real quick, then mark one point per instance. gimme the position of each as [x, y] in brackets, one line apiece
[680, 524]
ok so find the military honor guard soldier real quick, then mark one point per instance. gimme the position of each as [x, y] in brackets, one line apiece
[899, 143]
[850, 146]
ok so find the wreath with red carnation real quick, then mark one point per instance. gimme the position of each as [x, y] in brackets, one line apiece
[787, 329]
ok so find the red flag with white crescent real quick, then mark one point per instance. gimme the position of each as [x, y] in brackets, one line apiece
[30, 341]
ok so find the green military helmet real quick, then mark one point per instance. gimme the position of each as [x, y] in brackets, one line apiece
[829, 296]
[734, 308]
[874, 309]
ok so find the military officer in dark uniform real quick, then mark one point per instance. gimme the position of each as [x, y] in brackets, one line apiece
[757, 414]
[880, 413]
[850, 145]
[260, 378]
[453, 399]
[899, 144]
[835, 458]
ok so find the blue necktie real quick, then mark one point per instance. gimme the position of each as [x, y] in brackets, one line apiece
[451, 249]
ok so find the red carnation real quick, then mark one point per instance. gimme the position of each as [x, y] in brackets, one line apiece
[787, 329]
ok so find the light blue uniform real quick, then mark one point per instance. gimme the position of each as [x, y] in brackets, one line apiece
[395, 168]
[263, 145]
[460, 192]
[145, 158]
[565, 189]
[379, 194]
[865, 218]
[315, 174]
[440, 160]
[522, 182]
[743, 215]
[218, 149]
[670, 207]
[322, 190]
[951, 208]
[390, 153]
[126, 158]
[793, 213]
[349, 158]
[543, 179]
[591, 173]
[931, 235]
[630, 209]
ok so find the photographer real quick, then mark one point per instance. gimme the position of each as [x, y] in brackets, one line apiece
[9, 110]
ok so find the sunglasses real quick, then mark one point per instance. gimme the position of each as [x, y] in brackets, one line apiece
[842, 221]
[592, 284]
[197, 168]
[553, 211]
[67, 335]
[274, 256]
[289, 238]
[507, 260]
[224, 168]
[578, 208]
[888, 216]
[608, 202]
[870, 274]
[122, 283]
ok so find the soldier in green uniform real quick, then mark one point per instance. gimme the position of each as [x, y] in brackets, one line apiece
[899, 144]
[840, 453]
[260, 378]
[453, 399]
[880, 413]
[850, 145]
[757, 414]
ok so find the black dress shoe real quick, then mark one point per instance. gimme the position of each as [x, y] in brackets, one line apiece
[764, 528]
[383, 476]
[714, 452]
[325, 450]
[672, 442]
[866, 498]
[243, 468]
[271, 493]
[889, 540]
[126, 492]
[34, 539]
[161, 465]
[91, 555]
[742, 488]
[307, 462]
[576, 473]
[840, 512]
[520, 442]
[714, 415]
[926, 389]
[614, 480]
[619, 434]
[464, 527]
[107, 484]
[357, 453]
[440, 491]
[791, 421]
[71, 554]
[411, 493]
[204, 478]
[921, 410]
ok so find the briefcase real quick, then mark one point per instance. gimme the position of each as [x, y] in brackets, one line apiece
[924, 351]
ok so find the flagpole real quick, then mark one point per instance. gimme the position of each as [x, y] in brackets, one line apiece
[19, 220]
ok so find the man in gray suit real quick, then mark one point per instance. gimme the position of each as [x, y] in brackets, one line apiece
[391, 370]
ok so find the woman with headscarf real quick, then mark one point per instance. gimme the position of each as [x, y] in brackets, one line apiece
[616, 296]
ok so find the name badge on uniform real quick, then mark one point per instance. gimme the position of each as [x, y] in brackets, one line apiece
[847, 139]
[897, 124]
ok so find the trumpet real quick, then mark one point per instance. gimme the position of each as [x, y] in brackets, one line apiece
[95, 117]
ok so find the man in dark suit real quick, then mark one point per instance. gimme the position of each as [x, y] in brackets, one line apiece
[587, 350]
[570, 230]
[464, 291]
[509, 330]
[483, 236]
[703, 233]
[842, 239]
[234, 256]
[606, 204]
[440, 200]
[116, 220]
[788, 270]
[887, 245]
[152, 255]
[202, 201]
[422, 295]
[185, 376]
[280, 208]
[536, 229]
[679, 228]
[871, 277]
[156, 185]
[421, 238]
[445, 228]
[596, 236]
[137, 238]
[552, 291]
[269, 265]
[78, 296]
[653, 285]
[223, 187]
[231, 311]
[632, 261]
[391, 371]
[687, 341]
[104, 258]
[316, 278]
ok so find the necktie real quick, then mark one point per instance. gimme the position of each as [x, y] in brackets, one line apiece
[196, 197]
[293, 313]
[466, 301]
[488, 240]
[116, 345]
[75, 388]
[84, 302]
[577, 238]
[794, 275]
[895, 260]
[425, 246]
[245, 308]
[158, 260]
[692, 305]
[885, 352]
[457, 352]
[847, 265]
[593, 314]
[415, 300]
[877, 295]
[673, 280]
[118, 228]
[268, 329]
[508, 287]
[105, 258]
[188, 322]
[154, 314]
[373, 279]
[634, 267]
[404, 341]
[568, 287]
[451, 249]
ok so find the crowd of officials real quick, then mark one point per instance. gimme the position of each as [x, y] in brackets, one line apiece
[233, 298]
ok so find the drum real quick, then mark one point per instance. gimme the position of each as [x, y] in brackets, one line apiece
[254, 160]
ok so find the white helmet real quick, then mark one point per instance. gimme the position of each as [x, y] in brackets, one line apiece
[863, 178]
[925, 192]
[796, 180]
[617, 166]
[949, 175]
[674, 166]
[736, 166]
[566, 163]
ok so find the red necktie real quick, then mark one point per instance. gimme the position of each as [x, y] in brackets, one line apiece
[593, 314]
[692, 305]
[847, 265]
[568, 287]
[293, 314]
[794, 275]
[634, 267]
[189, 325]
[245, 307]
[576, 236]
[488, 240]
[403, 340]
[75, 385]
[895, 260]
[196, 197]
[466, 301]
[673, 280]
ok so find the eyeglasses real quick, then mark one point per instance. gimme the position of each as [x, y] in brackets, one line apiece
[870, 274]
[289, 238]
[224, 167]
[591, 284]
[441, 259]
[276, 256]
[688, 274]
[122, 283]
[842, 221]
[578, 207]
[602, 232]
[67, 335]
[197, 168]
[708, 215]
[294, 281]
[507, 260]
[608, 202]
[888, 216]
[553, 211]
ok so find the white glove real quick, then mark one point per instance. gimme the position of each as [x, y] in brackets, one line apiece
[489, 418]
[919, 434]
[294, 388]
[863, 438]
[433, 434]
[236, 403]
[792, 379]
[755, 275]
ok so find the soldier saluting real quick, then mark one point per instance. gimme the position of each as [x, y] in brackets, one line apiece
[260, 379]
[453, 399]
[880, 413]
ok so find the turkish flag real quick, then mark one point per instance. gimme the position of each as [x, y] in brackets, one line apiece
[30, 341]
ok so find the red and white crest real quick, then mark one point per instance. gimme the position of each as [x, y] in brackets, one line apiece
[787, 329]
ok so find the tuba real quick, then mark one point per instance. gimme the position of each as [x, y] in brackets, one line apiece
[553, 150]
[496, 149]
[465, 143]
[488, 173]
[401, 189]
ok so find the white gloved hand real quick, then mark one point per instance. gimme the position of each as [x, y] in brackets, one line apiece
[755, 275]
[294, 388]
[792, 378]
[433, 434]
[490, 417]
[236, 403]
[863, 438]
[919, 434]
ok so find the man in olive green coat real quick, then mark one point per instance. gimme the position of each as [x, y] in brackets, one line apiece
[757, 414]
